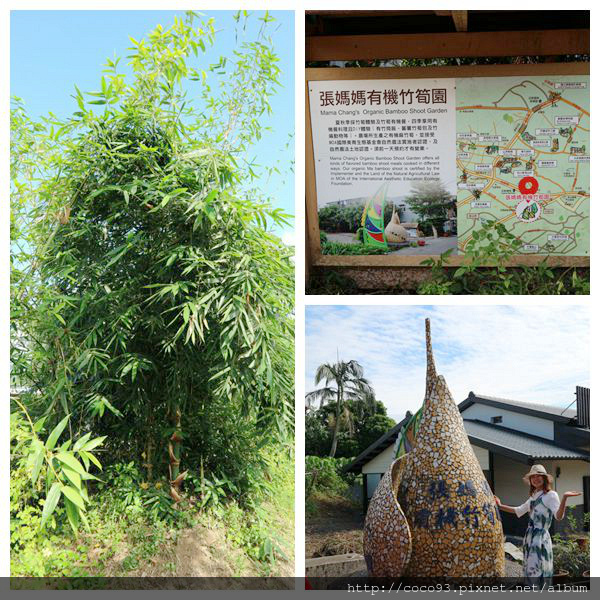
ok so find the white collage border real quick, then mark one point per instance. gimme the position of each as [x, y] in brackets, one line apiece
[301, 300]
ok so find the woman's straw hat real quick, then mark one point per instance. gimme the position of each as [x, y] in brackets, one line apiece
[537, 470]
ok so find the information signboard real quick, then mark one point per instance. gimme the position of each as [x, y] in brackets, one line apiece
[416, 160]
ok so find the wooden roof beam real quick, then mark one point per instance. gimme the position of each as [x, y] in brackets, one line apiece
[447, 45]
[458, 16]
[460, 19]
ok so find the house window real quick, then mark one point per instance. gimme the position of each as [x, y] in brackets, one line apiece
[497, 419]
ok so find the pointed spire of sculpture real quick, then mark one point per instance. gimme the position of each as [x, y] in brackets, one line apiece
[431, 372]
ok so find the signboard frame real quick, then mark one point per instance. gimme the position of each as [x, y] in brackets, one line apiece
[362, 73]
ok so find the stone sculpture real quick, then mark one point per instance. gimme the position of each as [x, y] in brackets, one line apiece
[394, 232]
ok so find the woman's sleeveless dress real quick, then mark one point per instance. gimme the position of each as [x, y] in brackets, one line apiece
[537, 543]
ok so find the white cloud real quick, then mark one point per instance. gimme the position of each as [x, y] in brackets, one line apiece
[533, 354]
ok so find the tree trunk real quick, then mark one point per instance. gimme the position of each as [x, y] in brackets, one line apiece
[336, 429]
[149, 457]
[176, 478]
[149, 464]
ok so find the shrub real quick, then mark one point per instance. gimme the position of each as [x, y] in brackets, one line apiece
[346, 219]
[324, 474]
[484, 269]
[341, 249]
[151, 300]
[570, 556]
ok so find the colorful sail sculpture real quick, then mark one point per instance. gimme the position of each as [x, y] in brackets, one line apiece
[372, 221]
[405, 441]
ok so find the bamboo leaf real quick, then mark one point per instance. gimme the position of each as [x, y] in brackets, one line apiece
[92, 458]
[50, 503]
[70, 461]
[81, 442]
[56, 432]
[73, 495]
[72, 514]
[37, 463]
[73, 477]
[94, 443]
[38, 425]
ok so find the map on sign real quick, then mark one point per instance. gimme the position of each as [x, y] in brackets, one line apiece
[522, 156]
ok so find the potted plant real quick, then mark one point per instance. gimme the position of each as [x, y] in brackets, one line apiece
[569, 559]
[575, 531]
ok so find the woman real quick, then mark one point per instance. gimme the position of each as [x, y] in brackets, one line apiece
[543, 503]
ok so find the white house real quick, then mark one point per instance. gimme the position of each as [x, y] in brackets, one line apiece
[507, 436]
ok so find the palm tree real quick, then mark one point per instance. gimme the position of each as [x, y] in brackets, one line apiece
[350, 384]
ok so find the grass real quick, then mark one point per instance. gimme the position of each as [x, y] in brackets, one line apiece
[227, 540]
[342, 249]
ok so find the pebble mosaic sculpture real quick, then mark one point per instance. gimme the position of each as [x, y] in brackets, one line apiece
[433, 513]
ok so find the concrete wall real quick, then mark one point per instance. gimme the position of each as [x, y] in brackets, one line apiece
[381, 462]
[517, 421]
[570, 478]
[508, 480]
[509, 487]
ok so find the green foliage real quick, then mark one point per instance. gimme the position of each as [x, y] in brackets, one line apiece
[350, 385]
[484, 270]
[366, 428]
[340, 248]
[373, 427]
[324, 475]
[146, 281]
[60, 472]
[431, 201]
[346, 219]
[574, 525]
[258, 525]
[570, 556]
[330, 282]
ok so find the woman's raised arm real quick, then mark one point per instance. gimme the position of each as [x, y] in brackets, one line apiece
[560, 513]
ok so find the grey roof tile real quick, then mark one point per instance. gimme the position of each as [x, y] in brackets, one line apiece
[519, 442]
[546, 408]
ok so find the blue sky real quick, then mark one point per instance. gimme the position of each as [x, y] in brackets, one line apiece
[53, 50]
[528, 353]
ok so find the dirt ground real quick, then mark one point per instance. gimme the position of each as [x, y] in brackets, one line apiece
[333, 526]
[205, 552]
[198, 552]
